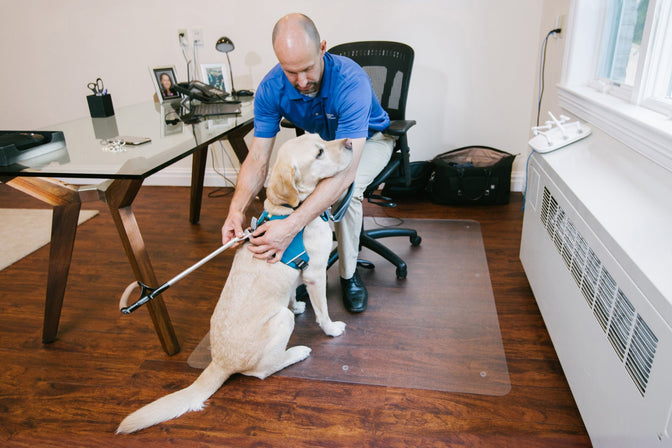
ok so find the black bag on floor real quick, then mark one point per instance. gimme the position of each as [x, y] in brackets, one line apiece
[395, 185]
[471, 175]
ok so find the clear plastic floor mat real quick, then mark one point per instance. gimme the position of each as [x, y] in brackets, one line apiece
[435, 330]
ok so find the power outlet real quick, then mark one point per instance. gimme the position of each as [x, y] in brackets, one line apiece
[560, 22]
[197, 37]
[182, 38]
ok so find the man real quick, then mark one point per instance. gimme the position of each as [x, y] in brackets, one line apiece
[325, 94]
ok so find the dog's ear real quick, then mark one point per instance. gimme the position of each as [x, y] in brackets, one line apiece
[282, 185]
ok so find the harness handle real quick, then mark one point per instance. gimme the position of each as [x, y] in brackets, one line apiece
[147, 293]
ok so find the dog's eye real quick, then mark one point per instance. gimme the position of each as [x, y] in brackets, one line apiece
[320, 153]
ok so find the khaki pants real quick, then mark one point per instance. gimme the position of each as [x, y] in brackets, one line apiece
[377, 152]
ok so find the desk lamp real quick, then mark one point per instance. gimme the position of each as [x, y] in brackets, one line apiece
[225, 45]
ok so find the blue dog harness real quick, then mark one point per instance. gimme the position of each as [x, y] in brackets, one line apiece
[295, 256]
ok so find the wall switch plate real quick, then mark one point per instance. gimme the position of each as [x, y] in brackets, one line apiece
[197, 37]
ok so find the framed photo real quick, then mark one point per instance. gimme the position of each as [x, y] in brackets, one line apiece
[215, 75]
[164, 79]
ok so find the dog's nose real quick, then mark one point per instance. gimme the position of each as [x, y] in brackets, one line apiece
[348, 144]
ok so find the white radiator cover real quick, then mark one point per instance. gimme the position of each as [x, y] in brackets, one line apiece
[597, 250]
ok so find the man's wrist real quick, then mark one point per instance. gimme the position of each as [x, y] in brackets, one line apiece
[296, 221]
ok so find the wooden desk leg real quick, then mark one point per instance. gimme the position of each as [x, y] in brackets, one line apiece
[63, 231]
[66, 202]
[237, 140]
[119, 195]
[198, 161]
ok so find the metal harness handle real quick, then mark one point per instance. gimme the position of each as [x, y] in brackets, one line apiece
[147, 293]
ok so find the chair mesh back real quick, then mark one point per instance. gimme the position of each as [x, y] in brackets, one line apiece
[389, 65]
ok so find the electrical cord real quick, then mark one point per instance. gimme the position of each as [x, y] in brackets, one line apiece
[228, 190]
[215, 193]
[542, 67]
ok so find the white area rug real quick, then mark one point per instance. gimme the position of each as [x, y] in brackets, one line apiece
[23, 231]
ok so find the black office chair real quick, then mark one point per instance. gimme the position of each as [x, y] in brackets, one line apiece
[389, 65]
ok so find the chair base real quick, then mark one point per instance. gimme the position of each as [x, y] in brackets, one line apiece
[368, 239]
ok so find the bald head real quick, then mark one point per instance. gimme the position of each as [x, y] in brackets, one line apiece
[299, 50]
[295, 31]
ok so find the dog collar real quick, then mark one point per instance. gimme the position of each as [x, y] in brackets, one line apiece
[338, 214]
[295, 256]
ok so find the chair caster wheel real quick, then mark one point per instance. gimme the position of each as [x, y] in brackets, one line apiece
[415, 240]
[401, 273]
[365, 264]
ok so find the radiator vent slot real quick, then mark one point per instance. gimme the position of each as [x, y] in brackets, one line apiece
[604, 299]
[622, 321]
[641, 354]
[631, 338]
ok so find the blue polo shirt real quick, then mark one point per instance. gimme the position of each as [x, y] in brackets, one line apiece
[345, 106]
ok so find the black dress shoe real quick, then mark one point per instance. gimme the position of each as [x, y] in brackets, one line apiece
[302, 293]
[355, 297]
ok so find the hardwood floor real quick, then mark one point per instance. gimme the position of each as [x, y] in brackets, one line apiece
[74, 392]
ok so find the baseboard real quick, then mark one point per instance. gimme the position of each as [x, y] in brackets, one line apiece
[171, 177]
[181, 177]
[517, 181]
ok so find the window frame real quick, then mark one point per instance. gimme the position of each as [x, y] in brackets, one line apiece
[627, 113]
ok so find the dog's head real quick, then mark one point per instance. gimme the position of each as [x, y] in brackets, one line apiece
[302, 163]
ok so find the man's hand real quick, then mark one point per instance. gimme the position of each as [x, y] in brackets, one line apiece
[271, 239]
[250, 180]
[233, 226]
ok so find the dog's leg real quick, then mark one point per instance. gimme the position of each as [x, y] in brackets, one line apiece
[276, 354]
[316, 285]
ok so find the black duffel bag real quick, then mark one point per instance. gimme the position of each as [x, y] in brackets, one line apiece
[471, 175]
[395, 185]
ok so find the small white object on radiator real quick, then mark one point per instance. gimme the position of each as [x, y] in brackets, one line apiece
[548, 137]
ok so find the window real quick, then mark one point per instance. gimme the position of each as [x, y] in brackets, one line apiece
[659, 82]
[635, 52]
[622, 40]
[617, 71]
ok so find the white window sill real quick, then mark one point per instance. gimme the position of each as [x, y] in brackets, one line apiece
[645, 131]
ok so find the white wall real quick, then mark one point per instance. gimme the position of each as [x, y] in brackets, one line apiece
[473, 82]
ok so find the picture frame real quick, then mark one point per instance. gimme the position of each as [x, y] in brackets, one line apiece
[216, 75]
[164, 77]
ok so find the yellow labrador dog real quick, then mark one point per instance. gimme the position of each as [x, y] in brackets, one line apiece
[252, 322]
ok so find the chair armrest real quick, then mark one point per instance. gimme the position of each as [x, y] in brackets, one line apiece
[285, 123]
[398, 128]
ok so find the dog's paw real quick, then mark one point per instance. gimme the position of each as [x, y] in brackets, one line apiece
[298, 307]
[296, 354]
[303, 352]
[334, 328]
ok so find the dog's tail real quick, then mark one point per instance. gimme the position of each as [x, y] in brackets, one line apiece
[171, 406]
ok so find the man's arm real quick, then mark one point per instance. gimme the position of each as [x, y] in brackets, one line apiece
[272, 238]
[250, 181]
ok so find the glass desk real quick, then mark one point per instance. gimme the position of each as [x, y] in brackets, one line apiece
[121, 174]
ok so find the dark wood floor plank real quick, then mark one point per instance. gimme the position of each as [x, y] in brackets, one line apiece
[74, 392]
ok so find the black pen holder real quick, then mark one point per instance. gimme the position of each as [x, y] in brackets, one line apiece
[105, 127]
[100, 105]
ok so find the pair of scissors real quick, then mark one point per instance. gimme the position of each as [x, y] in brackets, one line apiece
[98, 88]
